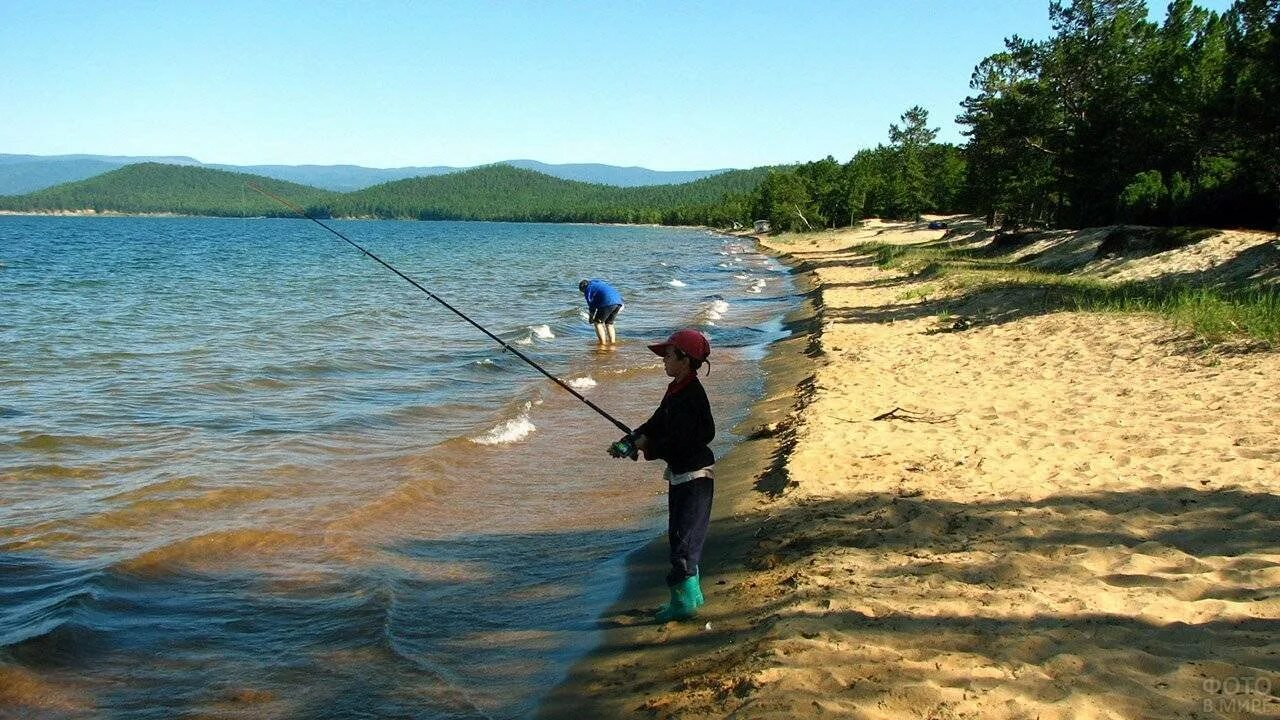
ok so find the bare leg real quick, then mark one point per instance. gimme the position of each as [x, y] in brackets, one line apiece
[613, 336]
[600, 333]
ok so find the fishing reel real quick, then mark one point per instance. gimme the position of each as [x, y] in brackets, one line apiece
[626, 447]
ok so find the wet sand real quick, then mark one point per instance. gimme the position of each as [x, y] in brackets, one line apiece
[1030, 514]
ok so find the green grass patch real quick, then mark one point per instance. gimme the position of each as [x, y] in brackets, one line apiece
[923, 292]
[1214, 313]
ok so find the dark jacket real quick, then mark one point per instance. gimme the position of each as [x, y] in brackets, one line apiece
[681, 428]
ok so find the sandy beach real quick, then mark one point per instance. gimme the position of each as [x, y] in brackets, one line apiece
[978, 507]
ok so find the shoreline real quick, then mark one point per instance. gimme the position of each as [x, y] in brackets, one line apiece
[95, 213]
[1032, 513]
[116, 214]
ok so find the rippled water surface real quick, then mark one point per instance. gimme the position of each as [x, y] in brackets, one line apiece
[247, 472]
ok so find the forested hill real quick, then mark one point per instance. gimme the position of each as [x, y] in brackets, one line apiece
[496, 192]
[183, 190]
[501, 192]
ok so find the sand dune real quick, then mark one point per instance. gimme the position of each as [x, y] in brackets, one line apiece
[1057, 515]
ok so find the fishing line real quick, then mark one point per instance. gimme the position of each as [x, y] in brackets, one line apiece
[302, 214]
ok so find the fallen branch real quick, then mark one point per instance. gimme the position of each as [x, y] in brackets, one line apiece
[899, 413]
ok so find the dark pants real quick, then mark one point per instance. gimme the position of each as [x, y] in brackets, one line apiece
[688, 515]
[604, 315]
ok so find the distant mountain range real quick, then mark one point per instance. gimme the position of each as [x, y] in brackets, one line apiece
[490, 192]
[21, 174]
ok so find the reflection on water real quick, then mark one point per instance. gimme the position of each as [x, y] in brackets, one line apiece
[248, 473]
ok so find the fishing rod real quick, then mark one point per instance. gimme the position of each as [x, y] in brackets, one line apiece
[302, 214]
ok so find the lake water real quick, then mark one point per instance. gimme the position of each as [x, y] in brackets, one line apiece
[247, 472]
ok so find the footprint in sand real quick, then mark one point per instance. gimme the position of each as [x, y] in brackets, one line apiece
[1131, 581]
[1248, 564]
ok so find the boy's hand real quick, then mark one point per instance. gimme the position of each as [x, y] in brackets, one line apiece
[642, 444]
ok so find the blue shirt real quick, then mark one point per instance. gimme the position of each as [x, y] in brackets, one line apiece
[601, 294]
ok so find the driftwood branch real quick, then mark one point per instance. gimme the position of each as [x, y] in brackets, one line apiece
[904, 414]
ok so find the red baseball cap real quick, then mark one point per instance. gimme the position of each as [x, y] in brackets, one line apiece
[690, 342]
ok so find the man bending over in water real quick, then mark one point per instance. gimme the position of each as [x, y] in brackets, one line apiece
[604, 303]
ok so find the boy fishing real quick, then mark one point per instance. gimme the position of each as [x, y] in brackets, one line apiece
[679, 432]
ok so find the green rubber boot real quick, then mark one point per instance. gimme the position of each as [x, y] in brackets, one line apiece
[683, 603]
[698, 600]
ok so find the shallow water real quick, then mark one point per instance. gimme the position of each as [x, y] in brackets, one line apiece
[247, 472]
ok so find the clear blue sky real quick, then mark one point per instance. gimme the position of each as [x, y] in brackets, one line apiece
[662, 84]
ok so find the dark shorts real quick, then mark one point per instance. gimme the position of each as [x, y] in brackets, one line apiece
[604, 315]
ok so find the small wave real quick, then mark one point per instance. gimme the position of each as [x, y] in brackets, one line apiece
[582, 383]
[178, 484]
[513, 430]
[676, 283]
[742, 277]
[45, 442]
[715, 310]
[213, 551]
[56, 471]
[57, 640]
[508, 432]
[527, 339]
[758, 285]
[143, 512]
[483, 366]
[542, 332]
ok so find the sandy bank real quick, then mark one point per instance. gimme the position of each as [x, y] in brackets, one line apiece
[1038, 514]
